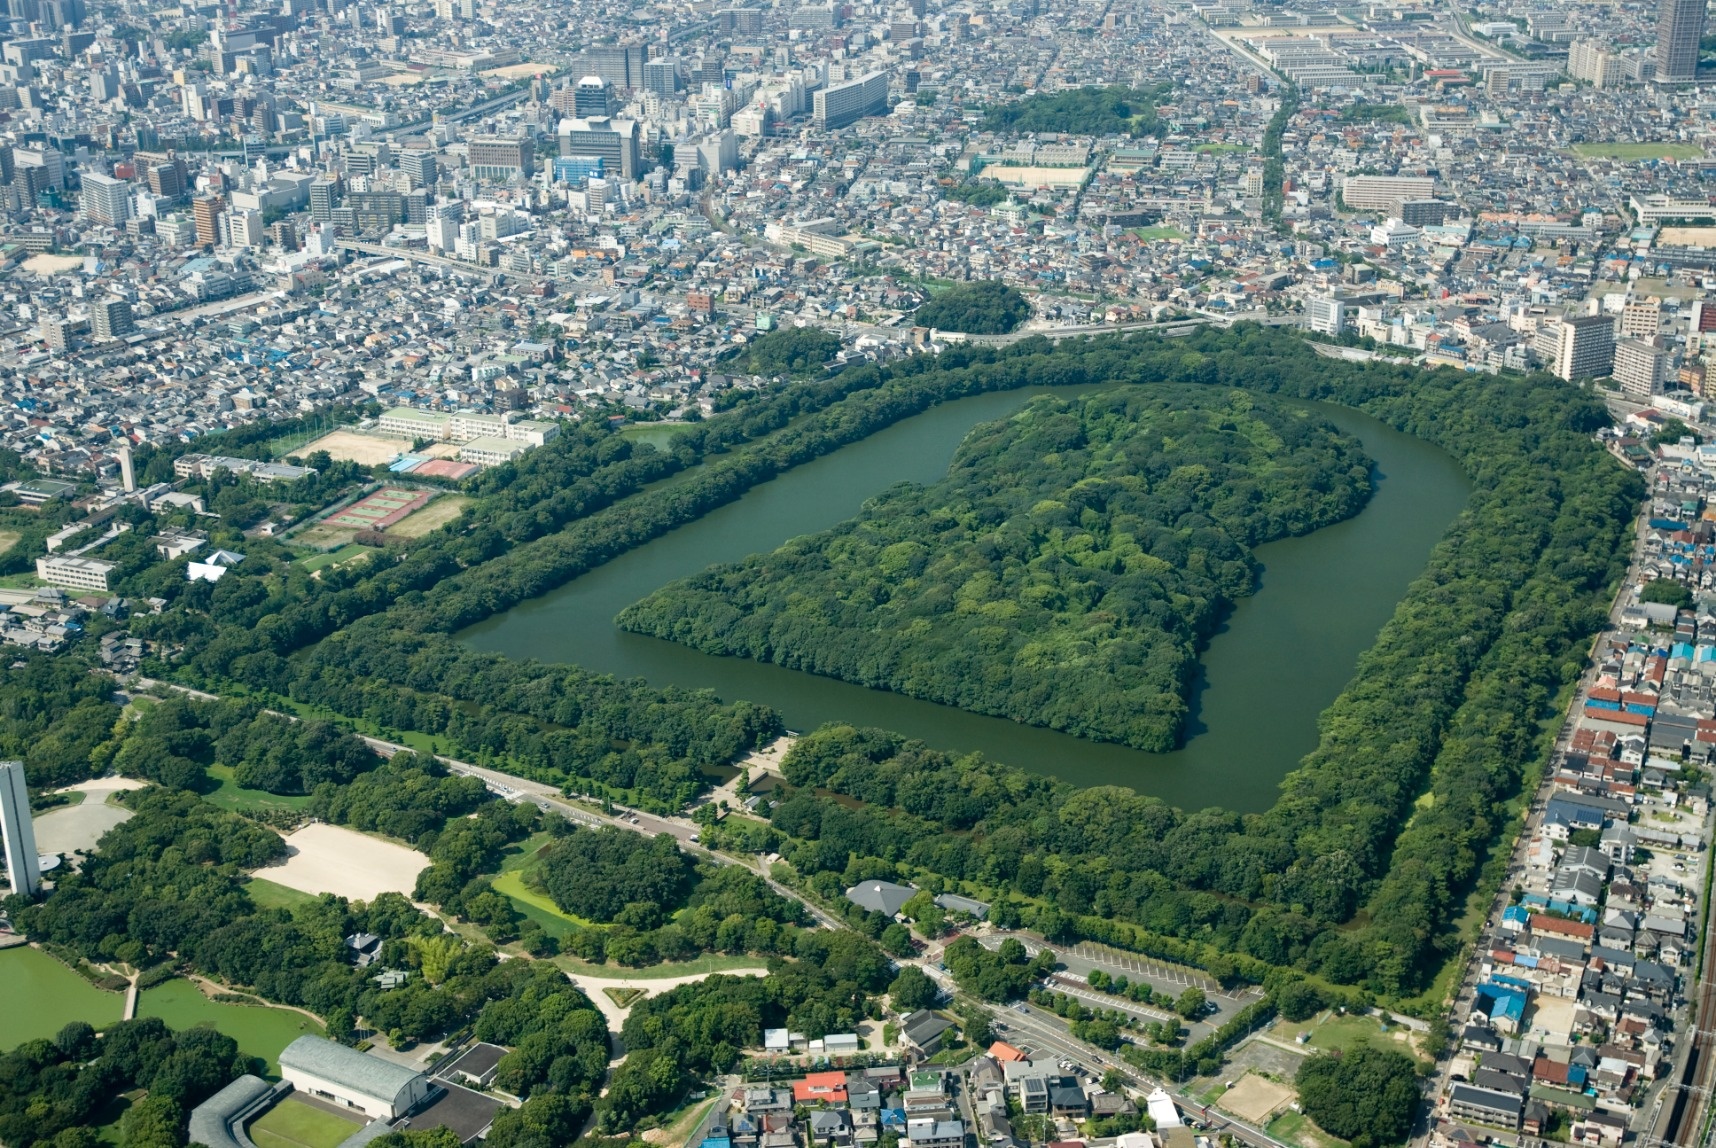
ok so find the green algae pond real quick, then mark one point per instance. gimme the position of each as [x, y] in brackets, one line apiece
[260, 1030]
[39, 996]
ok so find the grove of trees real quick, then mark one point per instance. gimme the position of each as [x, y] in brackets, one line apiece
[985, 307]
[1366, 1095]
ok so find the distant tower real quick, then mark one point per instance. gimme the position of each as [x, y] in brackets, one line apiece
[127, 476]
[17, 831]
[592, 97]
[1679, 28]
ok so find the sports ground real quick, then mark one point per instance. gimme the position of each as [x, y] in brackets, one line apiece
[382, 509]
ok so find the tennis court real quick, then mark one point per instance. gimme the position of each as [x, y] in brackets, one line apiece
[380, 510]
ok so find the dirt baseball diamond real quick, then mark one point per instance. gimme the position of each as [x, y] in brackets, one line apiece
[331, 859]
[350, 446]
[1255, 1098]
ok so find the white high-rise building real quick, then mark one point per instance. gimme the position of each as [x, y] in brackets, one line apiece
[19, 834]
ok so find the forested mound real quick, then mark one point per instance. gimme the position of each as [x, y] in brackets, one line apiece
[1064, 573]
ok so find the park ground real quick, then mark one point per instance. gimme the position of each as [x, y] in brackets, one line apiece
[357, 866]
[1638, 151]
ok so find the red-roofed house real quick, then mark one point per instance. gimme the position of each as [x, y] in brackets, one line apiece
[1002, 1051]
[1556, 927]
[828, 1087]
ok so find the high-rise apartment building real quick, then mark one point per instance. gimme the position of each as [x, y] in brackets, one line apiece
[838, 105]
[1641, 366]
[324, 197]
[105, 199]
[167, 179]
[207, 211]
[110, 319]
[1641, 318]
[17, 832]
[661, 77]
[421, 166]
[1585, 347]
[1380, 192]
[1679, 28]
[247, 229]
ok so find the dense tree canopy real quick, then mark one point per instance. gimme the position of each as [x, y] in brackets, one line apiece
[1114, 110]
[49, 1087]
[986, 307]
[790, 351]
[602, 873]
[1064, 574]
[1366, 1095]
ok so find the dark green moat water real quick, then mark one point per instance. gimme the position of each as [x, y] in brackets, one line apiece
[1282, 657]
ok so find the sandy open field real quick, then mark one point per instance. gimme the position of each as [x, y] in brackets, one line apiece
[76, 827]
[403, 79]
[520, 71]
[331, 859]
[432, 517]
[44, 264]
[1037, 176]
[593, 986]
[1255, 1098]
[1687, 237]
[350, 446]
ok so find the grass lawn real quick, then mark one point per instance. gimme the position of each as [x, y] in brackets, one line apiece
[231, 795]
[343, 554]
[536, 906]
[268, 895]
[624, 998]
[1330, 1032]
[1638, 151]
[432, 517]
[1219, 148]
[8, 539]
[1296, 1128]
[20, 582]
[1158, 232]
[292, 443]
[658, 435]
[294, 1124]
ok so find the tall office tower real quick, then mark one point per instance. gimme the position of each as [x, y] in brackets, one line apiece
[17, 830]
[105, 199]
[592, 96]
[1679, 28]
[614, 142]
[207, 212]
[621, 67]
[110, 318]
